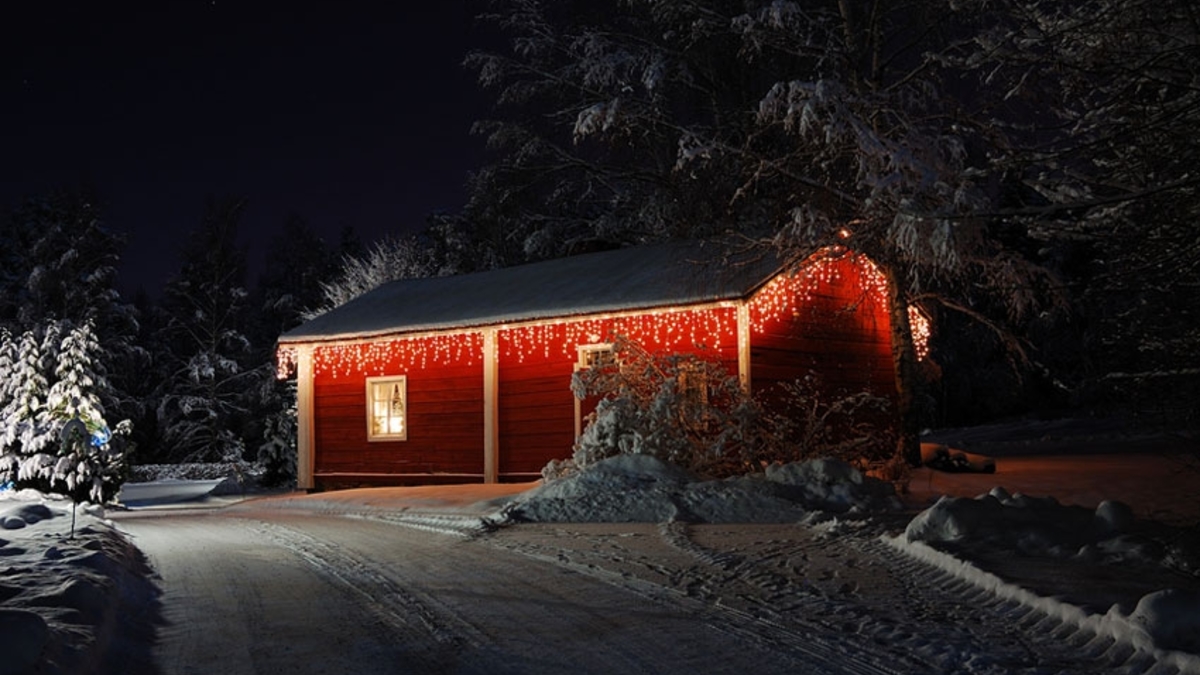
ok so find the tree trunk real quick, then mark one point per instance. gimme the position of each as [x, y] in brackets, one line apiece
[904, 361]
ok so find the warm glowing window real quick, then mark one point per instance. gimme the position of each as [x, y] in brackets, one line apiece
[387, 409]
[596, 356]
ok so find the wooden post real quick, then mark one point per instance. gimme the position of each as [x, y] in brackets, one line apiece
[743, 344]
[305, 433]
[491, 408]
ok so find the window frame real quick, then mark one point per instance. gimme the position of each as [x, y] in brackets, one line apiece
[371, 383]
[594, 348]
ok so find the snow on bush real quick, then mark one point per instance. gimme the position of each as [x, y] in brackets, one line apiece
[691, 412]
[834, 485]
[643, 488]
[678, 408]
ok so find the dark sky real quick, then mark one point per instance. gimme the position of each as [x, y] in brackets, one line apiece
[345, 114]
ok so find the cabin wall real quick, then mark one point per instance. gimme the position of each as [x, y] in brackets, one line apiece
[831, 320]
[444, 382]
[536, 406]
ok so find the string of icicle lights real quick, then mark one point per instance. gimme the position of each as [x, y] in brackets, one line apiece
[683, 329]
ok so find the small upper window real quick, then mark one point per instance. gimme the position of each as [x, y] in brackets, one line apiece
[596, 356]
[387, 408]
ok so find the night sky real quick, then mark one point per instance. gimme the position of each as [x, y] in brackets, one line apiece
[343, 114]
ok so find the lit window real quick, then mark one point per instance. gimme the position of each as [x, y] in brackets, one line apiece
[387, 409]
[596, 356]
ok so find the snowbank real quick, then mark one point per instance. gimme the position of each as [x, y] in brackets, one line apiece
[1163, 622]
[62, 597]
[641, 488]
[1035, 526]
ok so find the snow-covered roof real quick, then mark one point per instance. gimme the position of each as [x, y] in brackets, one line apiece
[641, 277]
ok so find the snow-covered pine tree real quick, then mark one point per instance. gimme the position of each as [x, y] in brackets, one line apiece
[28, 387]
[58, 382]
[207, 386]
[61, 265]
[91, 467]
[8, 366]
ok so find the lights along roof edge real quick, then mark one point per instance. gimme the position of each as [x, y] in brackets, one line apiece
[642, 277]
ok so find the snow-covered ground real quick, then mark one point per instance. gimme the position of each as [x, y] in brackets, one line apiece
[1116, 589]
[68, 596]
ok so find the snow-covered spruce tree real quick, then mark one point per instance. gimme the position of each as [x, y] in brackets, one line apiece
[26, 389]
[93, 468]
[277, 450]
[59, 384]
[9, 366]
[62, 266]
[204, 398]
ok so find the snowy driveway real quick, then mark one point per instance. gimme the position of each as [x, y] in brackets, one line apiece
[253, 589]
[268, 591]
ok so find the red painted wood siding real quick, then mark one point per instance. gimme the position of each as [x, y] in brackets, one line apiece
[444, 383]
[831, 320]
[536, 407]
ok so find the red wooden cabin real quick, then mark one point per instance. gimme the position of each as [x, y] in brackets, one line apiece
[467, 378]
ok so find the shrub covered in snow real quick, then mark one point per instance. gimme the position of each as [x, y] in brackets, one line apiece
[678, 408]
[691, 412]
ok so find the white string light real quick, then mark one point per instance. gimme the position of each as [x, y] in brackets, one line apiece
[674, 329]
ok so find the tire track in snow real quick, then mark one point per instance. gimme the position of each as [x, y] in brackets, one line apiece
[1060, 623]
[819, 592]
[534, 613]
[812, 651]
[400, 609]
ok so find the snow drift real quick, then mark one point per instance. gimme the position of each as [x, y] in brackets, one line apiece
[64, 594]
[1035, 526]
[642, 488]
[1163, 621]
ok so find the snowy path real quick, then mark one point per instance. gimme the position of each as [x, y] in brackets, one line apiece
[248, 592]
[259, 591]
[847, 596]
